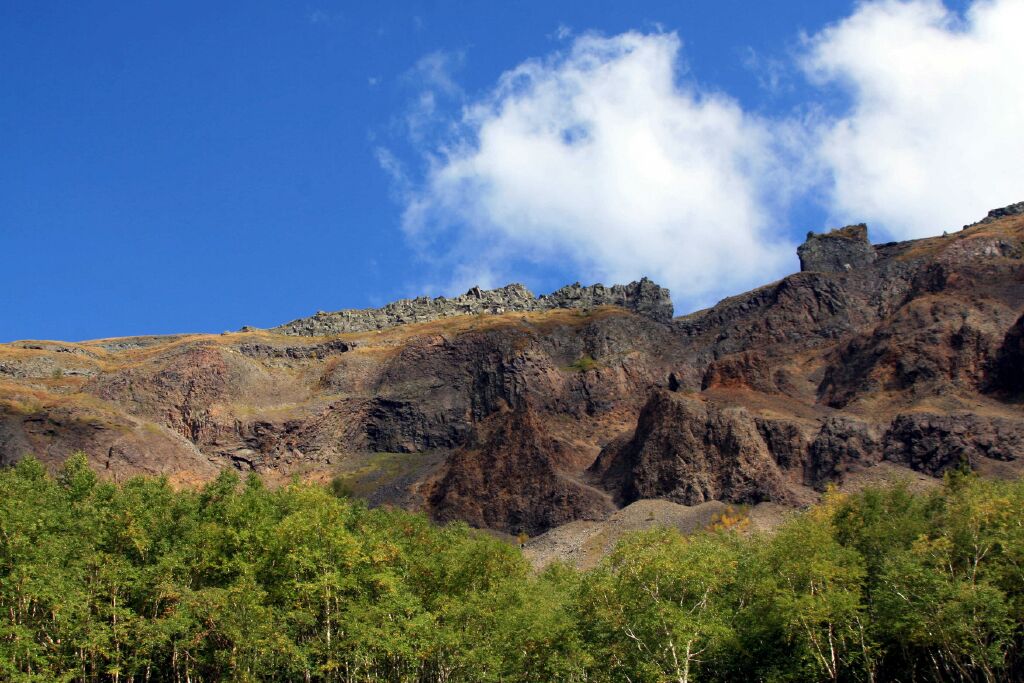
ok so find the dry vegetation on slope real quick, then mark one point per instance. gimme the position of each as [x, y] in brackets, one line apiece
[912, 358]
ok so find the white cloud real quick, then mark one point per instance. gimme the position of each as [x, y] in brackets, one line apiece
[935, 133]
[434, 71]
[604, 162]
[600, 158]
[433, 79]
[772, 73]
[562, 32]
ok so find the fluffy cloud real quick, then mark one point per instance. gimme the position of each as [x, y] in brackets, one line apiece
[935, 131]
[604, 161]
[599, 157]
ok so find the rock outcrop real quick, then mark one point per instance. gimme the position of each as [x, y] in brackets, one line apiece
[644, 297]
[516, 482]
[935, 443]
[1008, 370]
[690, 451]
[746, 370]
[841, 445]
[994, 215]
[838, 251]
[505, 409]
[932, 343]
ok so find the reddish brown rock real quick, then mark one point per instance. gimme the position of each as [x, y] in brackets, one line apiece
[746, 370]
[515, 482]
[914, 354]
[932, 343]
[689, 451]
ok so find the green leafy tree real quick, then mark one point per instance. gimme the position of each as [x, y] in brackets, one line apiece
[659, 608]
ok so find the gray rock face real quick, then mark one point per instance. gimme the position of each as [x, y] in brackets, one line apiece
[644, 297]
[843, 444]
[267, 351]
[838, 251]
[935, 443]
[45, 367]
[787, 442]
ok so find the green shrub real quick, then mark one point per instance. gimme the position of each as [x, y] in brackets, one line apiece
[585, 363]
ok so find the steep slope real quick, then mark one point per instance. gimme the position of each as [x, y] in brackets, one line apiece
[495, 406]
[691, 451]
[518, 480]
[904, 352]
[313, 406]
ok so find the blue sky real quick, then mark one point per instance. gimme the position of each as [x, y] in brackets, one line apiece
[186, 166]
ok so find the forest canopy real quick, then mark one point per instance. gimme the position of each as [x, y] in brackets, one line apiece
[236, 581]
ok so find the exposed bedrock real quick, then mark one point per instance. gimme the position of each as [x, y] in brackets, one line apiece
[494, 408]
[435, 388]
[842, 444]
[689, 451]
[1008, 370]
[516, 481]
[929, 345]
[746, 370]
[935, 443]
[643, 297]
[841, 250]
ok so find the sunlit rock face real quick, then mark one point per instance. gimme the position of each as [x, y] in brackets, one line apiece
[521, 413]
[643, 297]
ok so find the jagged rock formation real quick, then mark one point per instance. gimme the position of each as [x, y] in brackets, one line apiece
[643, 297]
[900, 356]
[749, 370]
[932, 342]
[842, 444]
[516, 481]
[837, 251]
[691, 451]
[935, 443]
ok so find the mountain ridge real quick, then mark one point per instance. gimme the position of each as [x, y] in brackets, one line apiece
[643, 296]
[903, 353]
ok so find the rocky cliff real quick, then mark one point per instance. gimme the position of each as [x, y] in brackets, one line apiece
[840, 250]
[519, 413]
